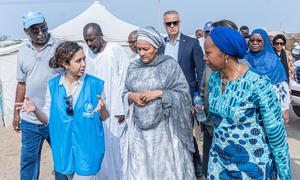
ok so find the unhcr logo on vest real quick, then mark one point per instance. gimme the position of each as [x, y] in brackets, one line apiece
[88, 110]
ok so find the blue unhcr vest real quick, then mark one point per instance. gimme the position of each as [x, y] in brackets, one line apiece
[77, 141]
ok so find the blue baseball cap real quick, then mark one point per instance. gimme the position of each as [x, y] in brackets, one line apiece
[207, 26]
[32, 18]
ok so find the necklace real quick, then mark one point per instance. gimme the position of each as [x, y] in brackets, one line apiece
[224, 81]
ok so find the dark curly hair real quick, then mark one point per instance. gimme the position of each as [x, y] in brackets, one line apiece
[64, 53]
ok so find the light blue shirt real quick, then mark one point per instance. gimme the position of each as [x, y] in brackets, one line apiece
[172, 47]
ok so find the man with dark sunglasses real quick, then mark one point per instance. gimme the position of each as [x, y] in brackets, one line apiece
[188, 53]
[33, 73]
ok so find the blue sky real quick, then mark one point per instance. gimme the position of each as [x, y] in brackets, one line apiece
[268, 14]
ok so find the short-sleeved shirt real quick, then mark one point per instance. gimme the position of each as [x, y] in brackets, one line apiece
[33, 69]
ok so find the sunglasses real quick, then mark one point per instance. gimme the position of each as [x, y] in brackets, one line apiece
[69, 109]
[279, 43]
[259, 41]
[174, 23]
[36, 31]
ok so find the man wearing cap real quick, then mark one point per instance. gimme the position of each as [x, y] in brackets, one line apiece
[33, 73]
[206, 30]
[188, 53]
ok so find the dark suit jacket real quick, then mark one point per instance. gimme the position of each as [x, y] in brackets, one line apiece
[190, 59]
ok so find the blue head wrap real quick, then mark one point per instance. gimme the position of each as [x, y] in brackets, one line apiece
[266, 61]
[229, 41]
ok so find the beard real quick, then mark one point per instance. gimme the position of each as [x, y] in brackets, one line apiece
[94, 49]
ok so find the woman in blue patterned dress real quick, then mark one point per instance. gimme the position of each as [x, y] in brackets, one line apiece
[250, 141]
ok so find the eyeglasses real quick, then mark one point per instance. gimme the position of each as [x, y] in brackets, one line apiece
[169, 24]
[36, 31]
[259, 41]
[69, 109]
[279, 43]
[131, 42]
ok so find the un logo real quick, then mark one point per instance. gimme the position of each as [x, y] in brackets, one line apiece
[88, 107]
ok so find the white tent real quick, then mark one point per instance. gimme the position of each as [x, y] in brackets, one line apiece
[113, 28]
[8, 64]
[10, 49]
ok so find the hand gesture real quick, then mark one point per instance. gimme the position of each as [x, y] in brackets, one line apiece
[104, 114]
[26, 106]
[100, 104]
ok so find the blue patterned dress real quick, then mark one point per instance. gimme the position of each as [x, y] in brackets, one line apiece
[250, 141]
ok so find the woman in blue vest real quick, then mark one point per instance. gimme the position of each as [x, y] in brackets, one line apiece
[74, 110]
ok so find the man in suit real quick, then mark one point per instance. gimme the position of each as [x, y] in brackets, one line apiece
[188, 53]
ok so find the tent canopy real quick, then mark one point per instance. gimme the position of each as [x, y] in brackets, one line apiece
[113, 28]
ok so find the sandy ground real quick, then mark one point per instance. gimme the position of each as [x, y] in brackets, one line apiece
[10, 145]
